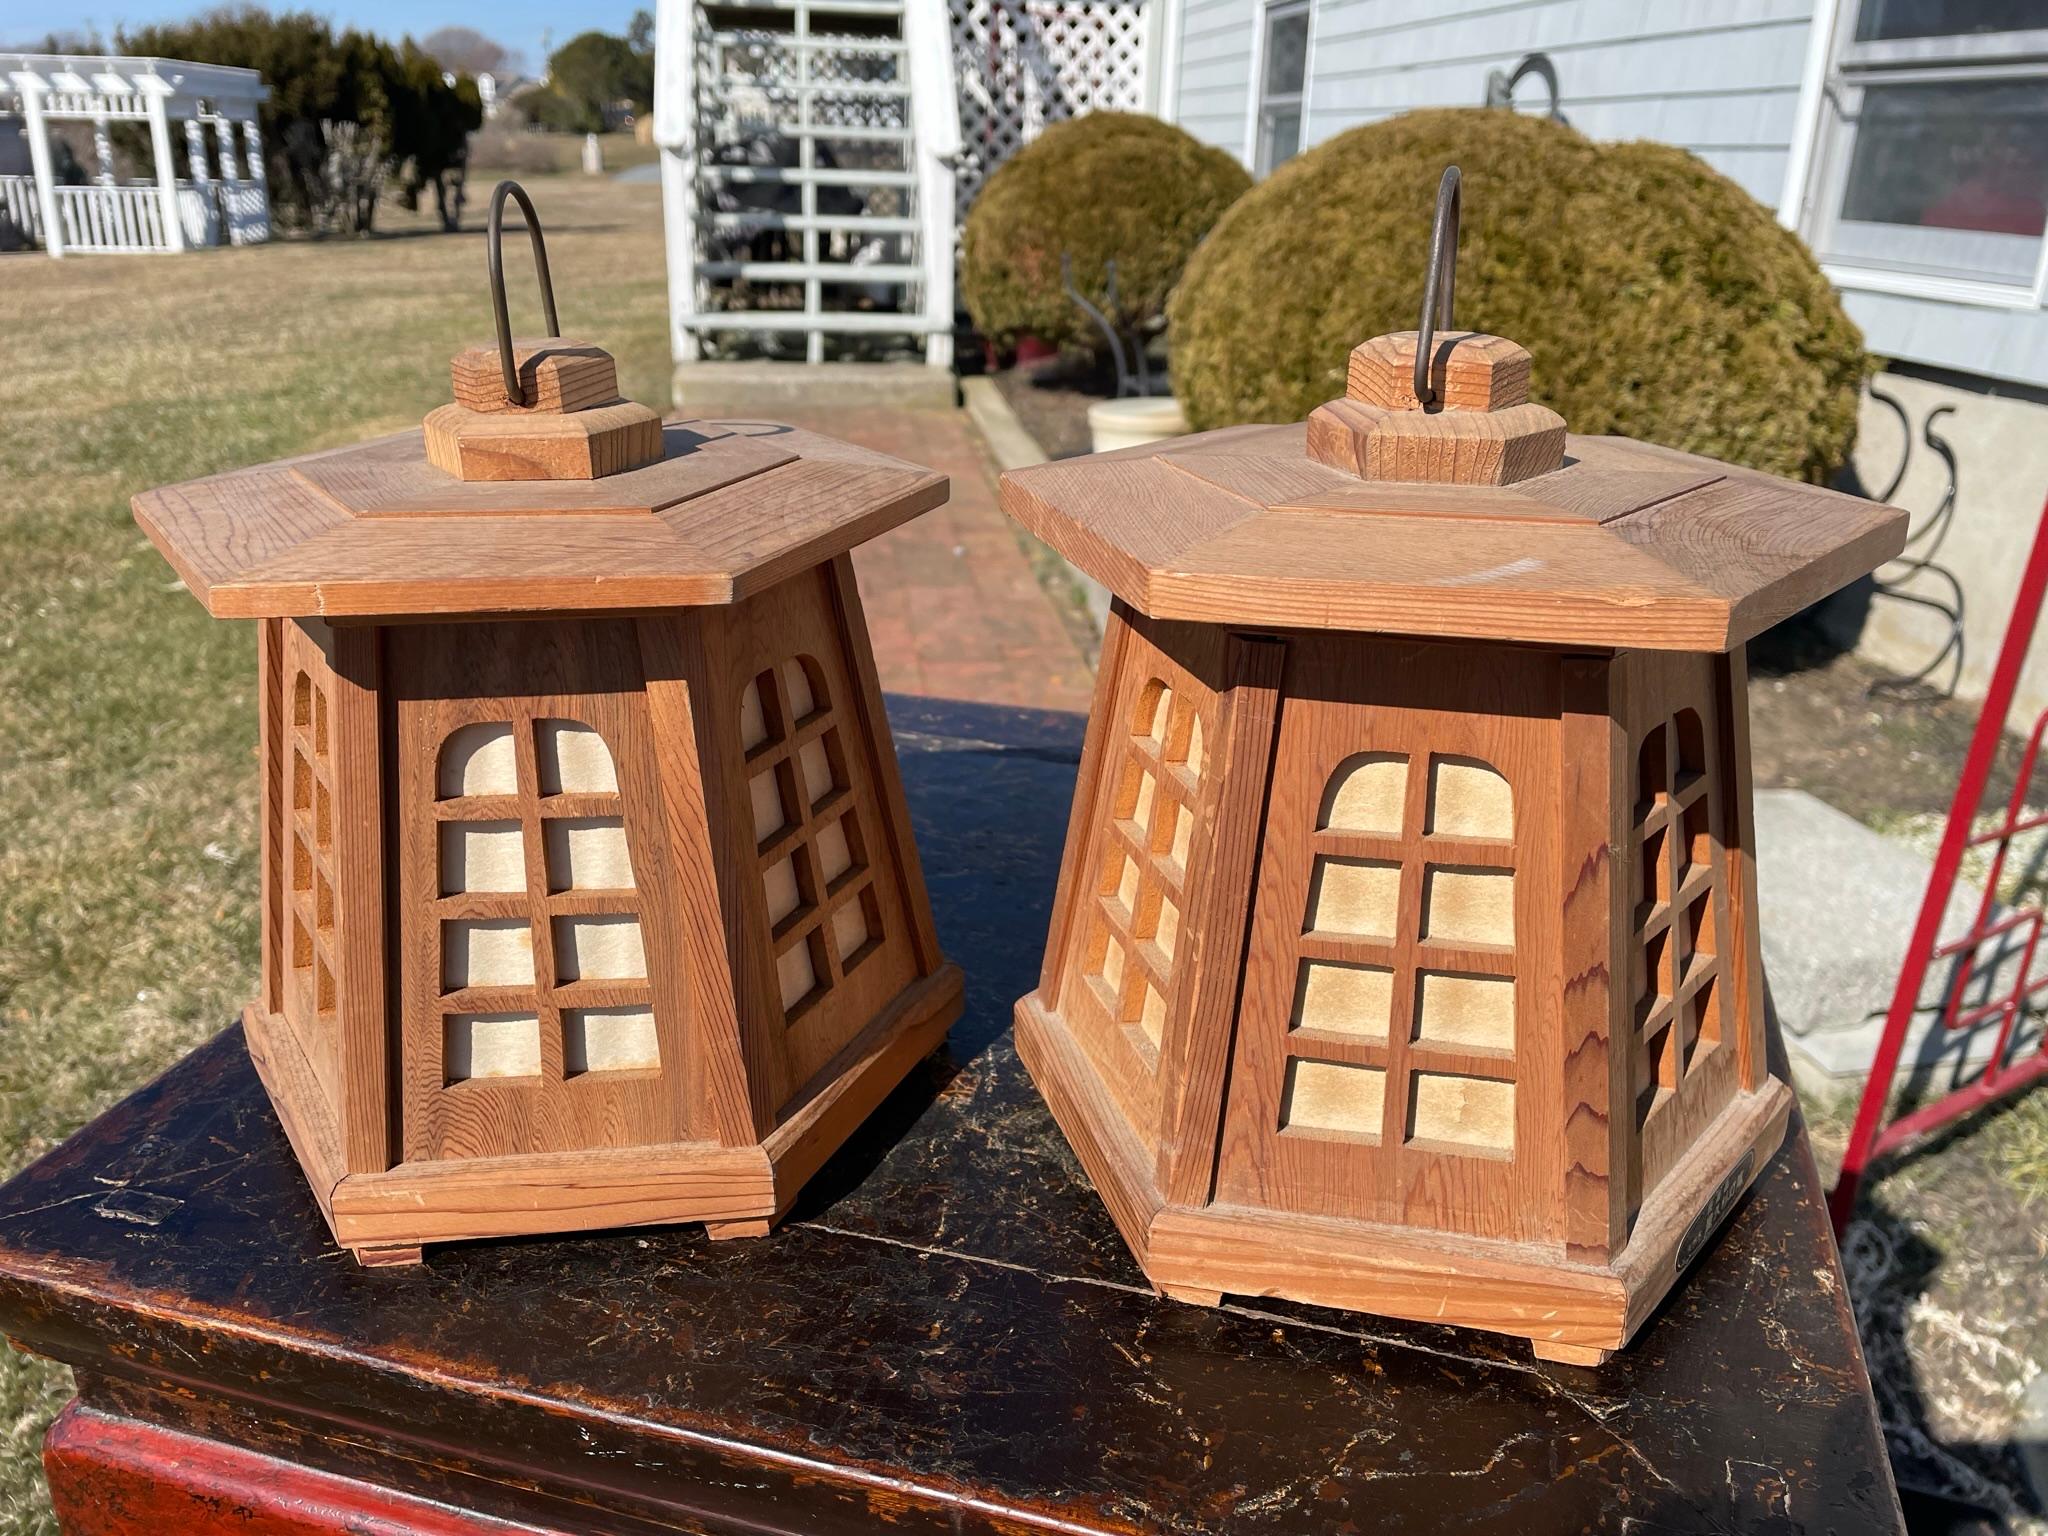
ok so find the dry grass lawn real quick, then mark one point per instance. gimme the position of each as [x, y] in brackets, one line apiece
[127, 770]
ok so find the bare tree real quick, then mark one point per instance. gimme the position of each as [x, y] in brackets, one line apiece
[467, 51]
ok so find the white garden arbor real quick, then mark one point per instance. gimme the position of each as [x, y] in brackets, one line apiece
[223, 198]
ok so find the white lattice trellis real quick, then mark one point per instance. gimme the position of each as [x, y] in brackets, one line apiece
[1025, 63]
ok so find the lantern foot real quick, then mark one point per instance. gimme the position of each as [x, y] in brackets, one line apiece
[719, 1231]
[388, 1258]
[1568, 1354]
[1192, 1295]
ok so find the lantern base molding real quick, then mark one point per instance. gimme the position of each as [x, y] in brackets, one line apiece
[1572, 1313]
[736, 1191]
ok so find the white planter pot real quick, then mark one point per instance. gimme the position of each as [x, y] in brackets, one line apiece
[1127, 423]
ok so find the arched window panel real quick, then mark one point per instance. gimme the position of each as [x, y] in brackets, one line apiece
[811, 846]
[523, 944]
[1677, 885]
[1404, 1022]
[1139, 898]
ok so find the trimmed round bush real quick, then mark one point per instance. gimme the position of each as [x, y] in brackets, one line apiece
[1660, 300]
[1107, 186]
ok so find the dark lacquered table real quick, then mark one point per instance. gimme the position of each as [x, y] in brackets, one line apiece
[947, 1335]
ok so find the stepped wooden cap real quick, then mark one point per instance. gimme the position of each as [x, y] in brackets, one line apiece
[728, 509]
[1624, 545]
[1477, 428]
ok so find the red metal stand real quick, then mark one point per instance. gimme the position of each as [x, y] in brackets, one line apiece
[1870, 1137]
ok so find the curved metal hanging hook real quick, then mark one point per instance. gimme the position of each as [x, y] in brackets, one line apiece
[1500, 86]
[1439, 287]
[494, 256]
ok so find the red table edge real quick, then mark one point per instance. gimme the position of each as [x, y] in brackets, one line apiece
[116, 1476]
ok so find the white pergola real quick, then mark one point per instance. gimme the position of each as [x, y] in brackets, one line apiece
[166, 212]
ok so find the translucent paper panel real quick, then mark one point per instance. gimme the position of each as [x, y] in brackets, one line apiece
[753, 717]
[780, 887]
[483, 1045]
[1166, 931]
[1367, 793]
[587, 853]
[797, 975]
[1466, 1010]
[607, 948]
[1152, 1014]
[574, 760]
[835, 856]
[1331, 1096]
[482, 856]
[1463, 1111]
[491, 953]
[849, 929]
[1358, 896]
[478, 760]
[796, 684]
[767, 805]
[1155, 709]
[608, 1040]
[1468, 798]
[1344, 999]
[1468, 906]
[816, 768]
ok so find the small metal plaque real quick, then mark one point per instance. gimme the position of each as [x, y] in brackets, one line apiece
[1715, 1211]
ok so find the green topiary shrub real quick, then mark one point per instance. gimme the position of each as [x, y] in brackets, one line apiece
[1110, 185]
[1660, 300]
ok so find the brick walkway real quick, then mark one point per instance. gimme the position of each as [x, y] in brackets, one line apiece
[951, 600]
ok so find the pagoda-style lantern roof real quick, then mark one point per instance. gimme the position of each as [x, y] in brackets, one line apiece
[1623, 544]
[589, 897]
[1405, 955]
[729, 509]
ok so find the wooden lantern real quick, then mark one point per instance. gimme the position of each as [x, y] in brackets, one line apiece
[1404, 957]
[589, 896]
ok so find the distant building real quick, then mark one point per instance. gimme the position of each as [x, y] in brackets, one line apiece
[223, 198]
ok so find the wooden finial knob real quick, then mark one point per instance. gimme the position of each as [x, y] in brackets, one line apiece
[571, 425]
[1479, 430]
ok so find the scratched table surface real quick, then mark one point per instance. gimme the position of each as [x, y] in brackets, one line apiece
[947, 1335]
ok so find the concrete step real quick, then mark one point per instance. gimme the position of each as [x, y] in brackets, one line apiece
[1837, 903]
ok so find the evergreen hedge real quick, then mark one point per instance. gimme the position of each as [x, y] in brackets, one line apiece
[1659, 299]
[1108, 185]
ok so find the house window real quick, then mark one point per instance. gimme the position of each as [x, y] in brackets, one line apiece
[1280, 83]
[1931, 167]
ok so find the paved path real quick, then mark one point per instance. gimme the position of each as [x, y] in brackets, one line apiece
[951, 600]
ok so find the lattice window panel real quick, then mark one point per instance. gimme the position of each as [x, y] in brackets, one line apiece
[543, 966]
[811, 848]
[1023, 64]
[314, 940]
[1141, 894]
[1403, 1029]
[1677, 948]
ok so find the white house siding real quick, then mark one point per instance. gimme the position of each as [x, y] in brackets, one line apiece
[1718, 77]
[1995, 341]
[1215, 67]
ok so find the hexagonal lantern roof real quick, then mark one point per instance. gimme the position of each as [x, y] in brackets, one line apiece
[730, 508]
[1625, 545]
